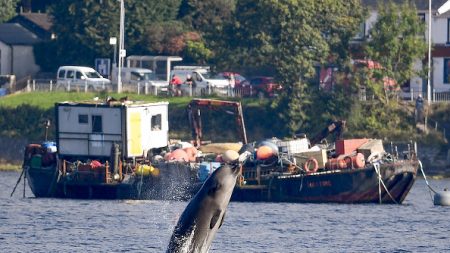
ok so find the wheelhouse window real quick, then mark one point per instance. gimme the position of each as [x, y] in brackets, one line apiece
[156, 122]
[97, 124]
[447, 70]
[83, 119]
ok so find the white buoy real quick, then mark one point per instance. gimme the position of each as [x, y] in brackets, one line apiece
[442, 198]
[230, 155]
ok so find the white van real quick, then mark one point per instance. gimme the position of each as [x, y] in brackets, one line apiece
[133, 78]
[76, 77]
[202, 78]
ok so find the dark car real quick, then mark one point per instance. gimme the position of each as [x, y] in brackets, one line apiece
[261, 86]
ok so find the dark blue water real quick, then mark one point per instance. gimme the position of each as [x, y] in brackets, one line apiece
[55, 225]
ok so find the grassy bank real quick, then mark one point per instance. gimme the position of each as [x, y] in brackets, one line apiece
[8, 166]
[24, 113]
[46, 100]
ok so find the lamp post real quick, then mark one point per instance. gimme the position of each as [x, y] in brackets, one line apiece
[122, 52]
[429, 54]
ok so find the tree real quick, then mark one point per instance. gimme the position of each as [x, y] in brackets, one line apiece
[396, 42]
[208, 17]
[83, 28]
[289, 39]
[7, 9]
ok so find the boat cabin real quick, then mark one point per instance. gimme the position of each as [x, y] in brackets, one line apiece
[90, 129]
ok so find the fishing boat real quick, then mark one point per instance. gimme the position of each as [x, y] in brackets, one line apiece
[353, 171]
[313, 171]
[108, 150]
[387, 180]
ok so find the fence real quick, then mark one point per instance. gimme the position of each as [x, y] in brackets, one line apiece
[185, 90]
[435, 96]
[145, 88]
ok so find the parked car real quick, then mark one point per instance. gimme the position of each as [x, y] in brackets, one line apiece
[133, 77]
[202, 80]
[238, 78]
[261, 86]
[71, 77]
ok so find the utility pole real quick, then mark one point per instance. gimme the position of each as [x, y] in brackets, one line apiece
[429, 54]
[122, 52]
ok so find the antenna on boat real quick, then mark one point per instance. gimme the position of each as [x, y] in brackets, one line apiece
[47, 124]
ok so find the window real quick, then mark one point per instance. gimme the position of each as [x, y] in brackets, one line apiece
[422, 18]
[61, 73]
[197, 77]
[448, 31]
[361, 32]
[78, 75]
[135, 76]
[70, 74]
[447, 70]
[156, 122]
[97, 124]
[83, 119]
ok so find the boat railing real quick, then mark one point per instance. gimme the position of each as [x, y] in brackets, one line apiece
[86, 173]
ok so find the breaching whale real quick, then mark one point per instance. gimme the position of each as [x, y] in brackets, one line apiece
[204, 214]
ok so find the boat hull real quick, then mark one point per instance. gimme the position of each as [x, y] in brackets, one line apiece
[339, 186]
[174, 182]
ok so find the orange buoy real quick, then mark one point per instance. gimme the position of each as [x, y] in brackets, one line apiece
[191, 153]
[358, 161]
[336, 164]
[264, 152]
[179, 155]
[168, 156]
[311, 165]
[95, 164]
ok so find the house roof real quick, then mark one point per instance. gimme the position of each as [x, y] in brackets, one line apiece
[15, 34]
[420, 4]
[38, 23]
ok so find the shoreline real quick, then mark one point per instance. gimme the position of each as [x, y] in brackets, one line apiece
[10, 166]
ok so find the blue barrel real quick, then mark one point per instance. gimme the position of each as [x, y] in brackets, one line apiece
[50, 146]
[3, 92]
[206, 168]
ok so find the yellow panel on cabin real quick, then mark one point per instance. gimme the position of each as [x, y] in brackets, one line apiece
[135, 134]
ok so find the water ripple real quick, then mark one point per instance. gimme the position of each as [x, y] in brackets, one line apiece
[58, 225]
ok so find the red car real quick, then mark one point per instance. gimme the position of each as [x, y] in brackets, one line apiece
[261, 86]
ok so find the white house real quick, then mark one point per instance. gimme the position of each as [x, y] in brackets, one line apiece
[16, 51]
[17, 38]
[440, 38]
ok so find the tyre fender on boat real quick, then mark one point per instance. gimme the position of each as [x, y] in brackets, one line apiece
[315, 165]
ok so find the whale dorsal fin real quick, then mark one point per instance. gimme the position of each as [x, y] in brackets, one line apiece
[215, 218]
